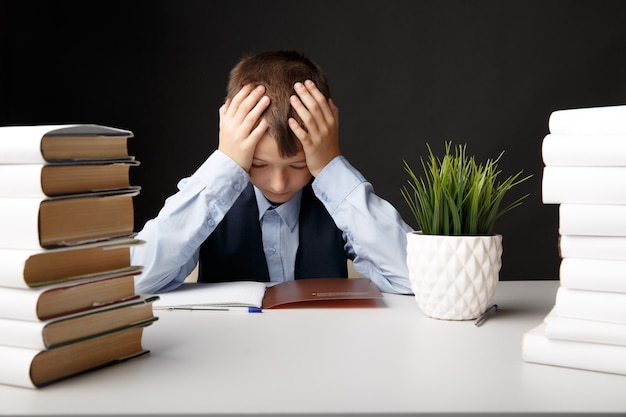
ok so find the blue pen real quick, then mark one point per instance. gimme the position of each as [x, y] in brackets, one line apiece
[210, 308]
[483, 318]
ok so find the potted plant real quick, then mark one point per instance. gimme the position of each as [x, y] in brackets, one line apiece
[454, 259]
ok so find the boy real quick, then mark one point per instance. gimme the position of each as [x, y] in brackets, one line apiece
[276, 201]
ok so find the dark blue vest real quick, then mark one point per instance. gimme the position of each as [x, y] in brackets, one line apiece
[234, 251]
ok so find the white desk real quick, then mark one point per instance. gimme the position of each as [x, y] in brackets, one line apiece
[383, 360]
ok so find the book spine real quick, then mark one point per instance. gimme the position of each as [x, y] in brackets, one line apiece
[19, 223]
[593, 274]
[596, 247]
[592, 219]
[591, 120]
[22, 144]
[566, 328]
[589, 150]
[538, 348]
[591, 305]
[19, 304]
[584, 185]
[22, 333]
[16, 363]
[12, 264]
[21, 180]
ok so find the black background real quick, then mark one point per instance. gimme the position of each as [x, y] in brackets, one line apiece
[403, 73]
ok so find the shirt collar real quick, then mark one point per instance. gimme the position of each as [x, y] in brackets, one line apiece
[288, 211]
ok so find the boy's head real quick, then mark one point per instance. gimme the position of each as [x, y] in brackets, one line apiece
[278, 71]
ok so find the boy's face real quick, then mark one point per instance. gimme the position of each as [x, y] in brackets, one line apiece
[277, 177]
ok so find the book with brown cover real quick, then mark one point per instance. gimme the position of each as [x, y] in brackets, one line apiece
[322, 292]
[71, 328]
[26, 268]
[35, 368]
[38, 180]
[62, 143]
[50, 222]
[319, 292]
[51, 301]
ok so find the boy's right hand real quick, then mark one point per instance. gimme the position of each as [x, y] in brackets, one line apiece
[241, 125]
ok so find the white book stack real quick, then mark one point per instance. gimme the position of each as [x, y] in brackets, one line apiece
[585, 174]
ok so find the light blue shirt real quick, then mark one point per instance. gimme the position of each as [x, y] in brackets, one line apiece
[373, 230]
[281, 235]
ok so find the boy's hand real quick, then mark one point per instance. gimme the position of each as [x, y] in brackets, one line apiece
[241, 125]
[321, 118]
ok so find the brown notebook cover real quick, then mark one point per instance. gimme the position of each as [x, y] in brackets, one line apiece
[332, 292]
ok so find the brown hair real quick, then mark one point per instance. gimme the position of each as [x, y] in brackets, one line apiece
[278, 71]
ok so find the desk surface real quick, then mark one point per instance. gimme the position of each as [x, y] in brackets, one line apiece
[382, 360]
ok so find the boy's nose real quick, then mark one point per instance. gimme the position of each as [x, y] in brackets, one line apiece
[278, 182]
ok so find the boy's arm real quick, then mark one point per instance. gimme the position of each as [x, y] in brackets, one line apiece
[188, 217]
[374, 231]
[320, 139]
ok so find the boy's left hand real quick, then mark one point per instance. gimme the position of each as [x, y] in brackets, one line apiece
[321, 118]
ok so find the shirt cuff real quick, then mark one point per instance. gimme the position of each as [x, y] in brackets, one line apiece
[218, 171]
[335, 182]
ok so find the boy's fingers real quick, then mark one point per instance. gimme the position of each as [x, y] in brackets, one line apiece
[250, 102]
[251, 118]
[235, 102]
[242, 125]
[246, 108]
[314, 100]
[303, 112]
[334, 109]
[258, 132]
[245, 100]
[309, 104]
[224, 108]
[300, 133]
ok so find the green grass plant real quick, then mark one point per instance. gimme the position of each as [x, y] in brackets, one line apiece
[457, 195]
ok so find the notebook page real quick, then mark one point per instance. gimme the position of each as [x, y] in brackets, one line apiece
[219, 294]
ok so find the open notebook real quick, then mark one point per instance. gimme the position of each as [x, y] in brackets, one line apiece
[258, 295]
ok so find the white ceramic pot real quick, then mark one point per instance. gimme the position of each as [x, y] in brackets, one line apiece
[454, 277]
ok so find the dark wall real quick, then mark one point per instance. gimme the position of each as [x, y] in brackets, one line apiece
[403, 73]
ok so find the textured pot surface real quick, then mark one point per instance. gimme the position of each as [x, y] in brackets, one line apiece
[454, 277]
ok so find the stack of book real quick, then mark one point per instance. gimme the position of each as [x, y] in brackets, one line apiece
[67, 297]
[585, 174]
